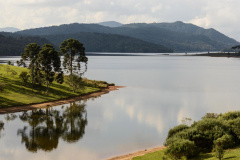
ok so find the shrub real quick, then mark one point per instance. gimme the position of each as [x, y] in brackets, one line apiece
[184, 134]
[176, 129]
[93, 83]
[208, 130]
[75, 82]
[14, 73]
[9, 63]
[211, 115]
[181, 148]
[203, 133]
[2, 86]
[231, 115]
[234, 127]
[24, 77]
[225, 141]
[7, 69]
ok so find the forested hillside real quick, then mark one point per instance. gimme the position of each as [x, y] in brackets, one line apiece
[179, 36]
[97, 42]
[14, 46]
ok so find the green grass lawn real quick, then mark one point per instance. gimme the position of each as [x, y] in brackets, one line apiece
[18, 93]
[230, 154]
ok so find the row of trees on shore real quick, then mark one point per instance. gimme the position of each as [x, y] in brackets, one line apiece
[45, 64]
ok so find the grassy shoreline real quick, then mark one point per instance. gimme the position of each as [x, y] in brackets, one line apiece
[230, 154]
[16, 93]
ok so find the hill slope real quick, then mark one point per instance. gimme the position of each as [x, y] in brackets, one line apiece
[178, 35]
[98, 42]
[9, 29]
[189, 29]
[10, 46]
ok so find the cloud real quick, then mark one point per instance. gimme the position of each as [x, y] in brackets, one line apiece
[219, 14]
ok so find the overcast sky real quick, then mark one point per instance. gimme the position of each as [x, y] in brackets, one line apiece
[219, 14]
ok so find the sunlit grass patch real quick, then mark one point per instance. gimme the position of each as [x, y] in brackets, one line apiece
[18, 93]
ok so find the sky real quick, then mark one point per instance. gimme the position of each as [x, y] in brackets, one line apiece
[221, 15]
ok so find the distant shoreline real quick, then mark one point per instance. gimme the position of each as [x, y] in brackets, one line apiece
[216, 54]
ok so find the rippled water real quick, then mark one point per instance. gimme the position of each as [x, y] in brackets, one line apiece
[160, 92]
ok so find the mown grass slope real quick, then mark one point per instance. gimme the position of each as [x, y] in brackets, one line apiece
[18, 93]
[230, 154]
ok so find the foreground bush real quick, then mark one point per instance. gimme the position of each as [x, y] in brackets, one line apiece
[2, 86]
[24, 76]
[75, 82]
[176, 129]
[212, 132]
[181, 149]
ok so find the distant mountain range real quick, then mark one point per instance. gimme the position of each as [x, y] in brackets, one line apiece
[179, 36]
[99, 42]
[137, 37]
[9, 29]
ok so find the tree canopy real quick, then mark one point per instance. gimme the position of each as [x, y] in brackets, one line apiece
[71, 48]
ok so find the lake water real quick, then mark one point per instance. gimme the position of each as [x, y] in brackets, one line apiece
[160, 91]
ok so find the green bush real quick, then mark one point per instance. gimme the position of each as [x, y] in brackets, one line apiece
[234, 127]
[75, 82]
[225, 141]
[14, 73]
[176, 129]
[214, 131]
[209, 130]
[211, 115]
[181, 148]
[24, 77]
[2, 86]
[7, 69]
[203, 133]
[231, 115]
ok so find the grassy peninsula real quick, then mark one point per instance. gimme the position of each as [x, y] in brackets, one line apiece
[18, 93]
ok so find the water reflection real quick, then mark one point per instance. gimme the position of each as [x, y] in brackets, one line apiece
[160, 92]
[1, 128]
[46, 126]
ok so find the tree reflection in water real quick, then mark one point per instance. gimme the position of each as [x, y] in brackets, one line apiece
[1, 128]
[47, 126]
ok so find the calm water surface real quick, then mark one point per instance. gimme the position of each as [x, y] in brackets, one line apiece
[160, 92]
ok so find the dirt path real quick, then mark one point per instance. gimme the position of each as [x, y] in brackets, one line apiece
[138, 153]
[57, 102]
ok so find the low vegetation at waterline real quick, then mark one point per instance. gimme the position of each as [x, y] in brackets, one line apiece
[17, 92]
[230, 154]
[213, 137]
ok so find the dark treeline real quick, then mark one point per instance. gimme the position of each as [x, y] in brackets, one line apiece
[98, 42]
[13, 45]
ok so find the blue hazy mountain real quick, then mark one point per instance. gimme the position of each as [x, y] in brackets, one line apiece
[9, 29]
